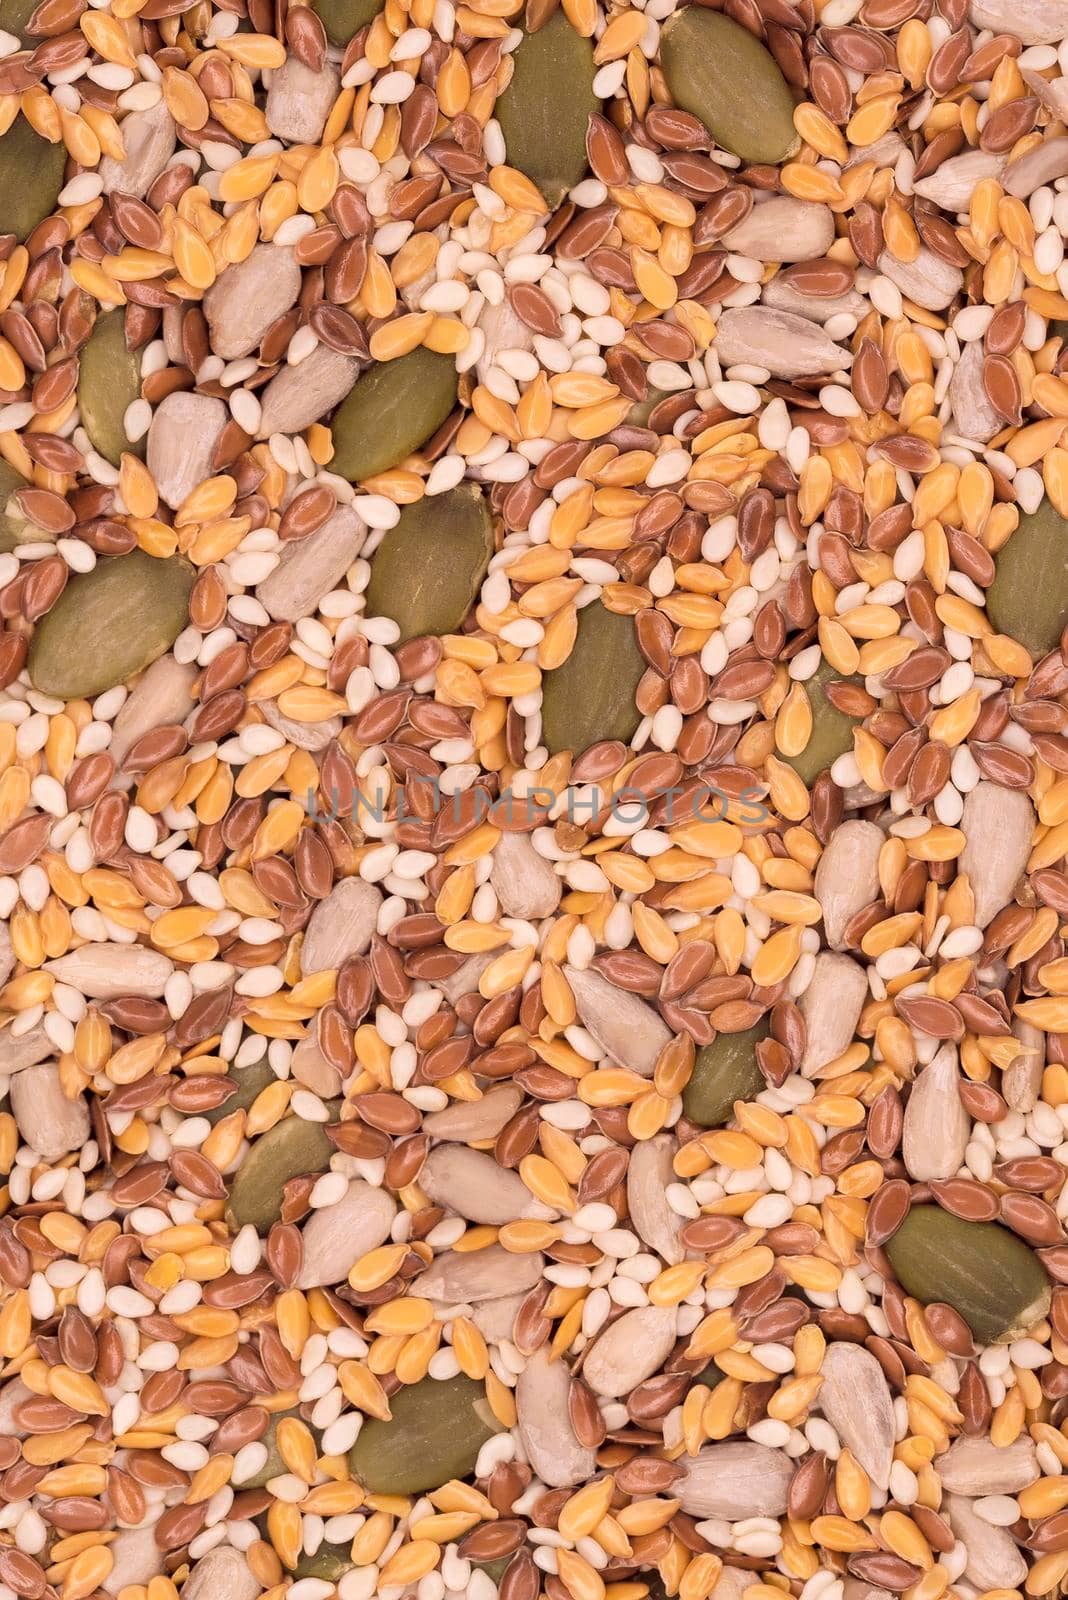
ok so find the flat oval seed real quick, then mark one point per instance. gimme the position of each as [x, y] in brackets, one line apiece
[392, 410]
[590, 696]
[437, 1430]
[832, 730]
[109, 380]
[545, 109]
[719, 72]
[31, 176]
[291, 1149]
[982, 1270]
[1028, 599]
[429, 568]
[725, 1071]
[109, 623]
[344, 18]
[14, 529]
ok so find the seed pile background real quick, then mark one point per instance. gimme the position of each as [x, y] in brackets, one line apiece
[533, 800]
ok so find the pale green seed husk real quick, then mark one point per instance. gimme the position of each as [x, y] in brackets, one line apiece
[109, 380]
[1028, 599]
[987, 1274]
[390, 411]
[110, 623]
[545, 109]
[590, 696]
[31, 176]
[724, 1071]
[719, 72]
[291, 1149]
[436, 1432]
[429, 568]
[832, 730]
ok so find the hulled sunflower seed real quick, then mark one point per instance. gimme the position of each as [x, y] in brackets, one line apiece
[783, 229]
[301, 395]
[524, 882]
[937, 1127]
[847, 876]
[994, 1561]
[340, 926]
[248, 297]
[831, 1006]
[311, 567]
[473, 1186]
[629, 1030]
[335, 1237]
[181, 443]
[223, 1571]
[976, 1466]
[148, 139]
[49, 1121]
[855, 1399]
[737, 1478]
[490, 1274]
[649, 1172]
[789, 346]
[630, 1350]
[548, 1438]
[997, 825]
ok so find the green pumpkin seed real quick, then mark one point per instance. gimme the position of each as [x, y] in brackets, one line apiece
[109, 623]
[109, 380]
[591, 695]
[719, 72]
[251, 1081]
[710, 1377]
[436, 1433]
[640, 412]
[392, 410]
[1028, 598]
[14, 17]
[13, 526]
[429, 568]
[31, 176]
[988, 1275]
[725, 1071]
[330, 1561]
[344, 18]
[832, 730]
[275, 1465]
[291, 1149]
[545, 109]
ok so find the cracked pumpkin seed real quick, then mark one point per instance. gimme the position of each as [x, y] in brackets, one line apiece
[590, 696]
[1028, 599]
[437, 1429]
[545, 109]
[832, 730]
[291, 1149]
[988, 1275]
[31, 176]
[719, 72]
[390, 411]
[109, 380]
[724, 1071]
[109, 623]
[429, 568]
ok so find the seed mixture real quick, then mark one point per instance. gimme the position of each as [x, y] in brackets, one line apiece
[533, 799]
